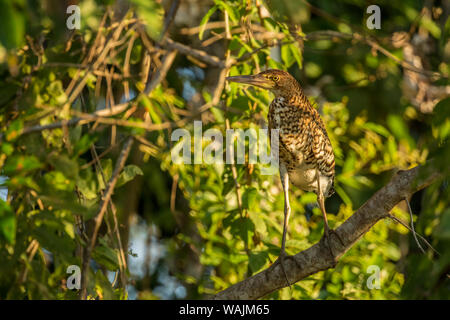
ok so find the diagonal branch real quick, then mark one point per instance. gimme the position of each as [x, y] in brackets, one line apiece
[317, 257]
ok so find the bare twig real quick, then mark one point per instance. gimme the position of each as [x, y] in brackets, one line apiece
[31, 250]
[217, 92]
[412, 225]
[412, 231]
[162, 72]
[198, 54]
[113, 210]
[208, 26]
[126, 64]
[100, 113]
[100, 156]
[87, 117]
[170, 16]
[220, 86]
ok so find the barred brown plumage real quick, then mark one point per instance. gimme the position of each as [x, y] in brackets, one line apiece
[305, 152]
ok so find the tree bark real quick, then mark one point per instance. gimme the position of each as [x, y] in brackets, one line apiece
[318, 257]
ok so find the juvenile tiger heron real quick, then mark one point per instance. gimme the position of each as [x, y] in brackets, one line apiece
[305, 152]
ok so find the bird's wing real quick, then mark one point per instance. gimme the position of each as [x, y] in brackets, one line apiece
[321, 146]
[306, 137]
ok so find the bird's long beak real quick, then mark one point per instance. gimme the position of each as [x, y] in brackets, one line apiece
[254, 80]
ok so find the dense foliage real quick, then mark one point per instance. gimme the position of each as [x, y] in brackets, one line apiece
[207, 226]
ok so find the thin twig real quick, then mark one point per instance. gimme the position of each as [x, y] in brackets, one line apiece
[209, 25]
[101, 212]
[412, 225]
[162, 71]
[407, 227]
[113, 210]
[218, 91]
[198, 54]
[169, 19]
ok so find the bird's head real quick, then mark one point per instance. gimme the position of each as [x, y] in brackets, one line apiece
[279, 82]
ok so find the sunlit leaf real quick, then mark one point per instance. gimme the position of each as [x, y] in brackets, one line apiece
[7, 222]
[205, 21]
[128, 174]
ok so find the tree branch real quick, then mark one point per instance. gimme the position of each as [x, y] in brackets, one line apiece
[317, 257]
[198, 54]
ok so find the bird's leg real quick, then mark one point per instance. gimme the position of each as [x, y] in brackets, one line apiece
[327, 231]
[287, 211]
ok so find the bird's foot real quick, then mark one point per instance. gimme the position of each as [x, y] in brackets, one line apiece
[280, 261]
[327, 235]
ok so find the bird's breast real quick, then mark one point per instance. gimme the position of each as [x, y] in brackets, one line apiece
[283, 116]
[304, 147]
[304, 177]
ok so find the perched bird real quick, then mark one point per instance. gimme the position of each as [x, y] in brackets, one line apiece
[305, 153]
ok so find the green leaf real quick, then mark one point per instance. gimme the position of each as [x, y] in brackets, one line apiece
[83, 144]
[106, 256]
[378, 128]
[86, 184]
[14, 130]
[242, 227]
[287, 56]
[260, 224]
[296, 53]
[18, 164]
[107, 172]
[56, 91]
[205, 21]
[63, 163]
[50, 236]
[344, 196]
[228, 181]
[152, 13]
[58, 181]
[350, 181]
[441, 119]
[443, 229]
[431, 26]
[7, 222]
[249, 198]
[154, 115]
[128, 173]
[399, 128]
[13, 25]
[7, 148]
[228, 9]
[66, 201]
[7, 92]
[350, 162]
[312, 69]
[257, 260]
[104, 287]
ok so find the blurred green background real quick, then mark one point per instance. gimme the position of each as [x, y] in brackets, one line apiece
[184, 234]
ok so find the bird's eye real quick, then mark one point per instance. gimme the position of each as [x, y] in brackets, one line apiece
[276, 78]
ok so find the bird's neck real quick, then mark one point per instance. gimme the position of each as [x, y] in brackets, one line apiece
[296, 98]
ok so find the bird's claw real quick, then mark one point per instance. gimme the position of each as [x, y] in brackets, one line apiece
[280, 261]
[327, 235]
